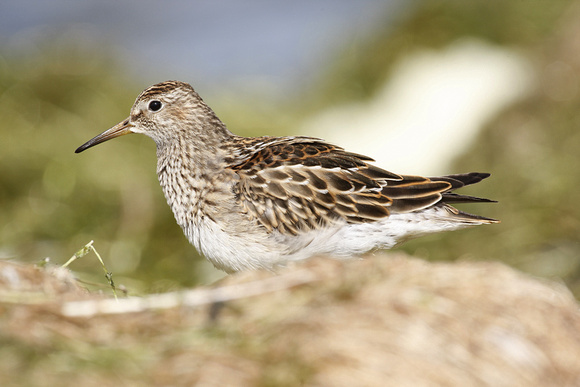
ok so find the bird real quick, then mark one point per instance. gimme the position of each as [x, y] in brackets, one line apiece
[251, 203]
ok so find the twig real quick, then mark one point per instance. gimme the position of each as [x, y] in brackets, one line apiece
[84, 251]
[190, 298]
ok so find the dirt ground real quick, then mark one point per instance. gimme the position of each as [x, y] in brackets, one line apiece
[381, 321]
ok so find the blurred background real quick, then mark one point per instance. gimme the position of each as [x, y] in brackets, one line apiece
[425, 87]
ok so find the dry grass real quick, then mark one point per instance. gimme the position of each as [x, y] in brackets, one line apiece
[323, 323]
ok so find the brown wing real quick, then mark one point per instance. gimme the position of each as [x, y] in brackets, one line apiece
[296, 184]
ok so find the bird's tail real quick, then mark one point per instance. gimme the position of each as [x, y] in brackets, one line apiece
[450, 197]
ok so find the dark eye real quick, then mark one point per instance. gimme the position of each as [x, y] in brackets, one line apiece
[155, 105]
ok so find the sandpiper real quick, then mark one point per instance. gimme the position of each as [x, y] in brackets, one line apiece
[261, 202]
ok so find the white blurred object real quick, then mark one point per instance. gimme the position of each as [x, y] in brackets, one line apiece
[431, 109]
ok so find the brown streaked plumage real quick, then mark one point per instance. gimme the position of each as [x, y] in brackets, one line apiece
[260, 202]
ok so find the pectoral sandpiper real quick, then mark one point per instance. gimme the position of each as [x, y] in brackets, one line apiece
[260, 202]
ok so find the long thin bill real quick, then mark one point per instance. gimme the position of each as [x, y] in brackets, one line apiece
[121, 129]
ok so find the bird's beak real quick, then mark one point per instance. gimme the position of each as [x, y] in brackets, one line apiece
[121, 129]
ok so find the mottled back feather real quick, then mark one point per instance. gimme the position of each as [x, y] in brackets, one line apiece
[295, 184]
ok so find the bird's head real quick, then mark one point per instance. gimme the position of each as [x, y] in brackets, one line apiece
[166, 112]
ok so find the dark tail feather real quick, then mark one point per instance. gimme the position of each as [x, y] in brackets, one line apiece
[462, 179]
[450, 197]
[470, 218]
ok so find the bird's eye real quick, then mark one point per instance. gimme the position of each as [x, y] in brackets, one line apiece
[155, 105]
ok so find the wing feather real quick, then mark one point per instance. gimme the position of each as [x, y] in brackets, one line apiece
[295, 184]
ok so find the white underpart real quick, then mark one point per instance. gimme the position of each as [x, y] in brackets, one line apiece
[348, 240]
[229, 252]
[431, 108]
[233, 253]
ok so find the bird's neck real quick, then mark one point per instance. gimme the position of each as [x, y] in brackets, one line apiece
[189, 158]
[188, 176]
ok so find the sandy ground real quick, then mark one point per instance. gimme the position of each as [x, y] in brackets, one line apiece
[381, 321]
